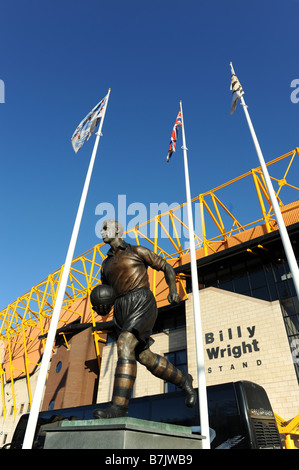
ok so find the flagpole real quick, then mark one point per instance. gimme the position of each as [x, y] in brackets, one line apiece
[202, 389]
[293, 265]
[39, 389]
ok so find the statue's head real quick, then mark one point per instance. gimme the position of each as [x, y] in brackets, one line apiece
[111, 230]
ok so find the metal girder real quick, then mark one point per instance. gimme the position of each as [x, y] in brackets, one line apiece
[32, 311]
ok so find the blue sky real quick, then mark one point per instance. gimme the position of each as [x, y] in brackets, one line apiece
[58, 59]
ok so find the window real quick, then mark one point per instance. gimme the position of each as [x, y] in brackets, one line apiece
[51, 405]
[225, 278]
[170, 318]
[242, 284]
[179, 360]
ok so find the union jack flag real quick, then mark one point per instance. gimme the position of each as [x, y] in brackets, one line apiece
[174, 135]
[88, 125]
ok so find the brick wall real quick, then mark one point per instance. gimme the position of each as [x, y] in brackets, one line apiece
[253, 329]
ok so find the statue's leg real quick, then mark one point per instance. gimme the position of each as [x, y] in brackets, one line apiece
[124, 378]
[160, 367]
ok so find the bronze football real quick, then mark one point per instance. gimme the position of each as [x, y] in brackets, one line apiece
[102, 295]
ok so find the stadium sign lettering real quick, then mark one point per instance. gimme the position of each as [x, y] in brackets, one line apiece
[246, 345]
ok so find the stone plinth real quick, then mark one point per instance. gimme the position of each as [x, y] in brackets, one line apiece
[119, 433]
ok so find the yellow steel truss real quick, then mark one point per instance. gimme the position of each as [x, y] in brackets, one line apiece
[32, 311]
[288, 428]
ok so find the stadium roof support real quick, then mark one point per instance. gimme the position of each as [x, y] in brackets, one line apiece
[27, 318]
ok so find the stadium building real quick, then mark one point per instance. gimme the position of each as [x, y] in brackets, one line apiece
[249, 310]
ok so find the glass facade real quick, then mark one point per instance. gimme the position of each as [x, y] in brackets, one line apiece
[170, 318]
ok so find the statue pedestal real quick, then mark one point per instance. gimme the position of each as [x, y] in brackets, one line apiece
[119, 433]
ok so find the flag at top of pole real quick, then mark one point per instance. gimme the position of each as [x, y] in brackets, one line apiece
[98, 118]
[202, 388]
[87, 126]
[237, 91]
[290, 255]
[174, 135]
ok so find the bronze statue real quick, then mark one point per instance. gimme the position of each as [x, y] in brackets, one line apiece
[135, 312]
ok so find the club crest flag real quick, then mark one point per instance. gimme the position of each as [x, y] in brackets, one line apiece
[88, 125]
[174, 136]
[237, 91]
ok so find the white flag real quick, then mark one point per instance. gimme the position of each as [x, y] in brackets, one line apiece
[88, 125]
[237, 91]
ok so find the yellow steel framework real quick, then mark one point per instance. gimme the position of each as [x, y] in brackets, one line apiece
[288, 428]
[32, 311]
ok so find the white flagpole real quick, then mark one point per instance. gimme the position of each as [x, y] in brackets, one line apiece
[37, 399]
[202, 389]
[280, 222]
